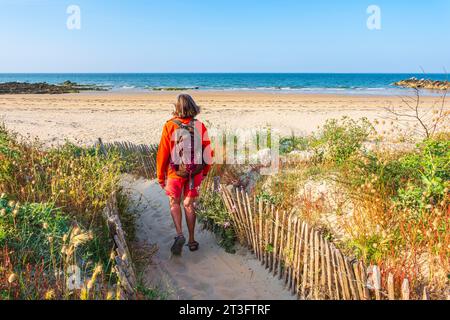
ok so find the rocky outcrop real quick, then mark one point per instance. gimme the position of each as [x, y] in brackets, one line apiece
[45, 88]
[423, 84]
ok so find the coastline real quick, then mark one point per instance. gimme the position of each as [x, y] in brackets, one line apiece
[138, 117]
[279, 83]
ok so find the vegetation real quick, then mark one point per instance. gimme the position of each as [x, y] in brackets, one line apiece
[55, 243]
[386, 206]
[215, 217]
[151, 294]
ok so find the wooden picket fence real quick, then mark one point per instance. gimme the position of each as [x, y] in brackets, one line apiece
[123, 264]
[143, 155]
[298, 254]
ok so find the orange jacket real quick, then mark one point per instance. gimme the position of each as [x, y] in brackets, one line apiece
[166, 145]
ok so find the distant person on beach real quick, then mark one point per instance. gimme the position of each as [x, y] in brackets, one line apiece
[183, 161]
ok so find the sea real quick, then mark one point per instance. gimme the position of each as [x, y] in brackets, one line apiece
[317, 83]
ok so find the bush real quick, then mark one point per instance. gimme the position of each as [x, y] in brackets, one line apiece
[292, 143]
[51, 219]
[215, 217]
[395, 202]
[429, 180]
[339, 140]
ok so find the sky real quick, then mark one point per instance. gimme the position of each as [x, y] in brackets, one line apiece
[224, 36]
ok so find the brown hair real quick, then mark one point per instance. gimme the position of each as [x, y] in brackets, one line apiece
[186, 107]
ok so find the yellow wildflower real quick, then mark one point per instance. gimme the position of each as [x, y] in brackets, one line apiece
[50, 295]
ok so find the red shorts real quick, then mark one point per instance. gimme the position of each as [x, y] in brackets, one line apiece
[177, 186]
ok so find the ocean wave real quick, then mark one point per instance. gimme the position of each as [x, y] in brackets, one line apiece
[172, 88]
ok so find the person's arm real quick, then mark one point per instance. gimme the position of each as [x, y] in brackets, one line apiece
[162, 157]
[208, 154]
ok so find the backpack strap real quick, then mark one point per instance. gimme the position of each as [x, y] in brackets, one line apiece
[190, 124]
[177, 122]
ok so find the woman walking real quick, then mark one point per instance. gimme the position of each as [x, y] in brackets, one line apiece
[183, 161]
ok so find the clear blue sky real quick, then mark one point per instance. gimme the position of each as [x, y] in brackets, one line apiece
[224, 36]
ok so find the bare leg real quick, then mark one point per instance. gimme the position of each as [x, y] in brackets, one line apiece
[175, 210]
[189, 210]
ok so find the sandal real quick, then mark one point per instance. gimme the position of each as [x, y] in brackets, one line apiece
[193, 246]
[177, 246]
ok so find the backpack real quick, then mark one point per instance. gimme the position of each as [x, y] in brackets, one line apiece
[186, 153]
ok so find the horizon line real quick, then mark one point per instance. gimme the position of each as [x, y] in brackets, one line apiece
[230, 72]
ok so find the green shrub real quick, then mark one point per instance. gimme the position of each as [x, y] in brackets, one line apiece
[215, 217]
[268, 197]
[340, 139]
[292, 143]
[429, 175]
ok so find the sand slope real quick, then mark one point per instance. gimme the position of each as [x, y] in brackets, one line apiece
[210, 273]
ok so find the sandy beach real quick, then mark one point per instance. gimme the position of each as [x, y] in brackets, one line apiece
[138, 117]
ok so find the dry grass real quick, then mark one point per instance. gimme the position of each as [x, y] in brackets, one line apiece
[51, 227]
[387, 208]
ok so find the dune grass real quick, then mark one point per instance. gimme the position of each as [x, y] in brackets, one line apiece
[381, 197]
[383, 205]
[55, 242]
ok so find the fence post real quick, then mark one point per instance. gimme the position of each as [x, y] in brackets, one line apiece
[271, 216]
[316, 265]
[323, 270]
[299, 262]
[266, 242]
[390, 285]
[362, 269]
[342, 275]
[298, 241]
[287, 259]
[251, 221]
[281, 242]
[358, 281]
[351, 279]
[102, 147]
[329, 270]
[242, 217]
[337, 275]
[405, 289]
[305, 261]
[275, 243]
[311, 262]
[425, 295]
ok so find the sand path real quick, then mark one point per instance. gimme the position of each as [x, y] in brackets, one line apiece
[210, 273]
